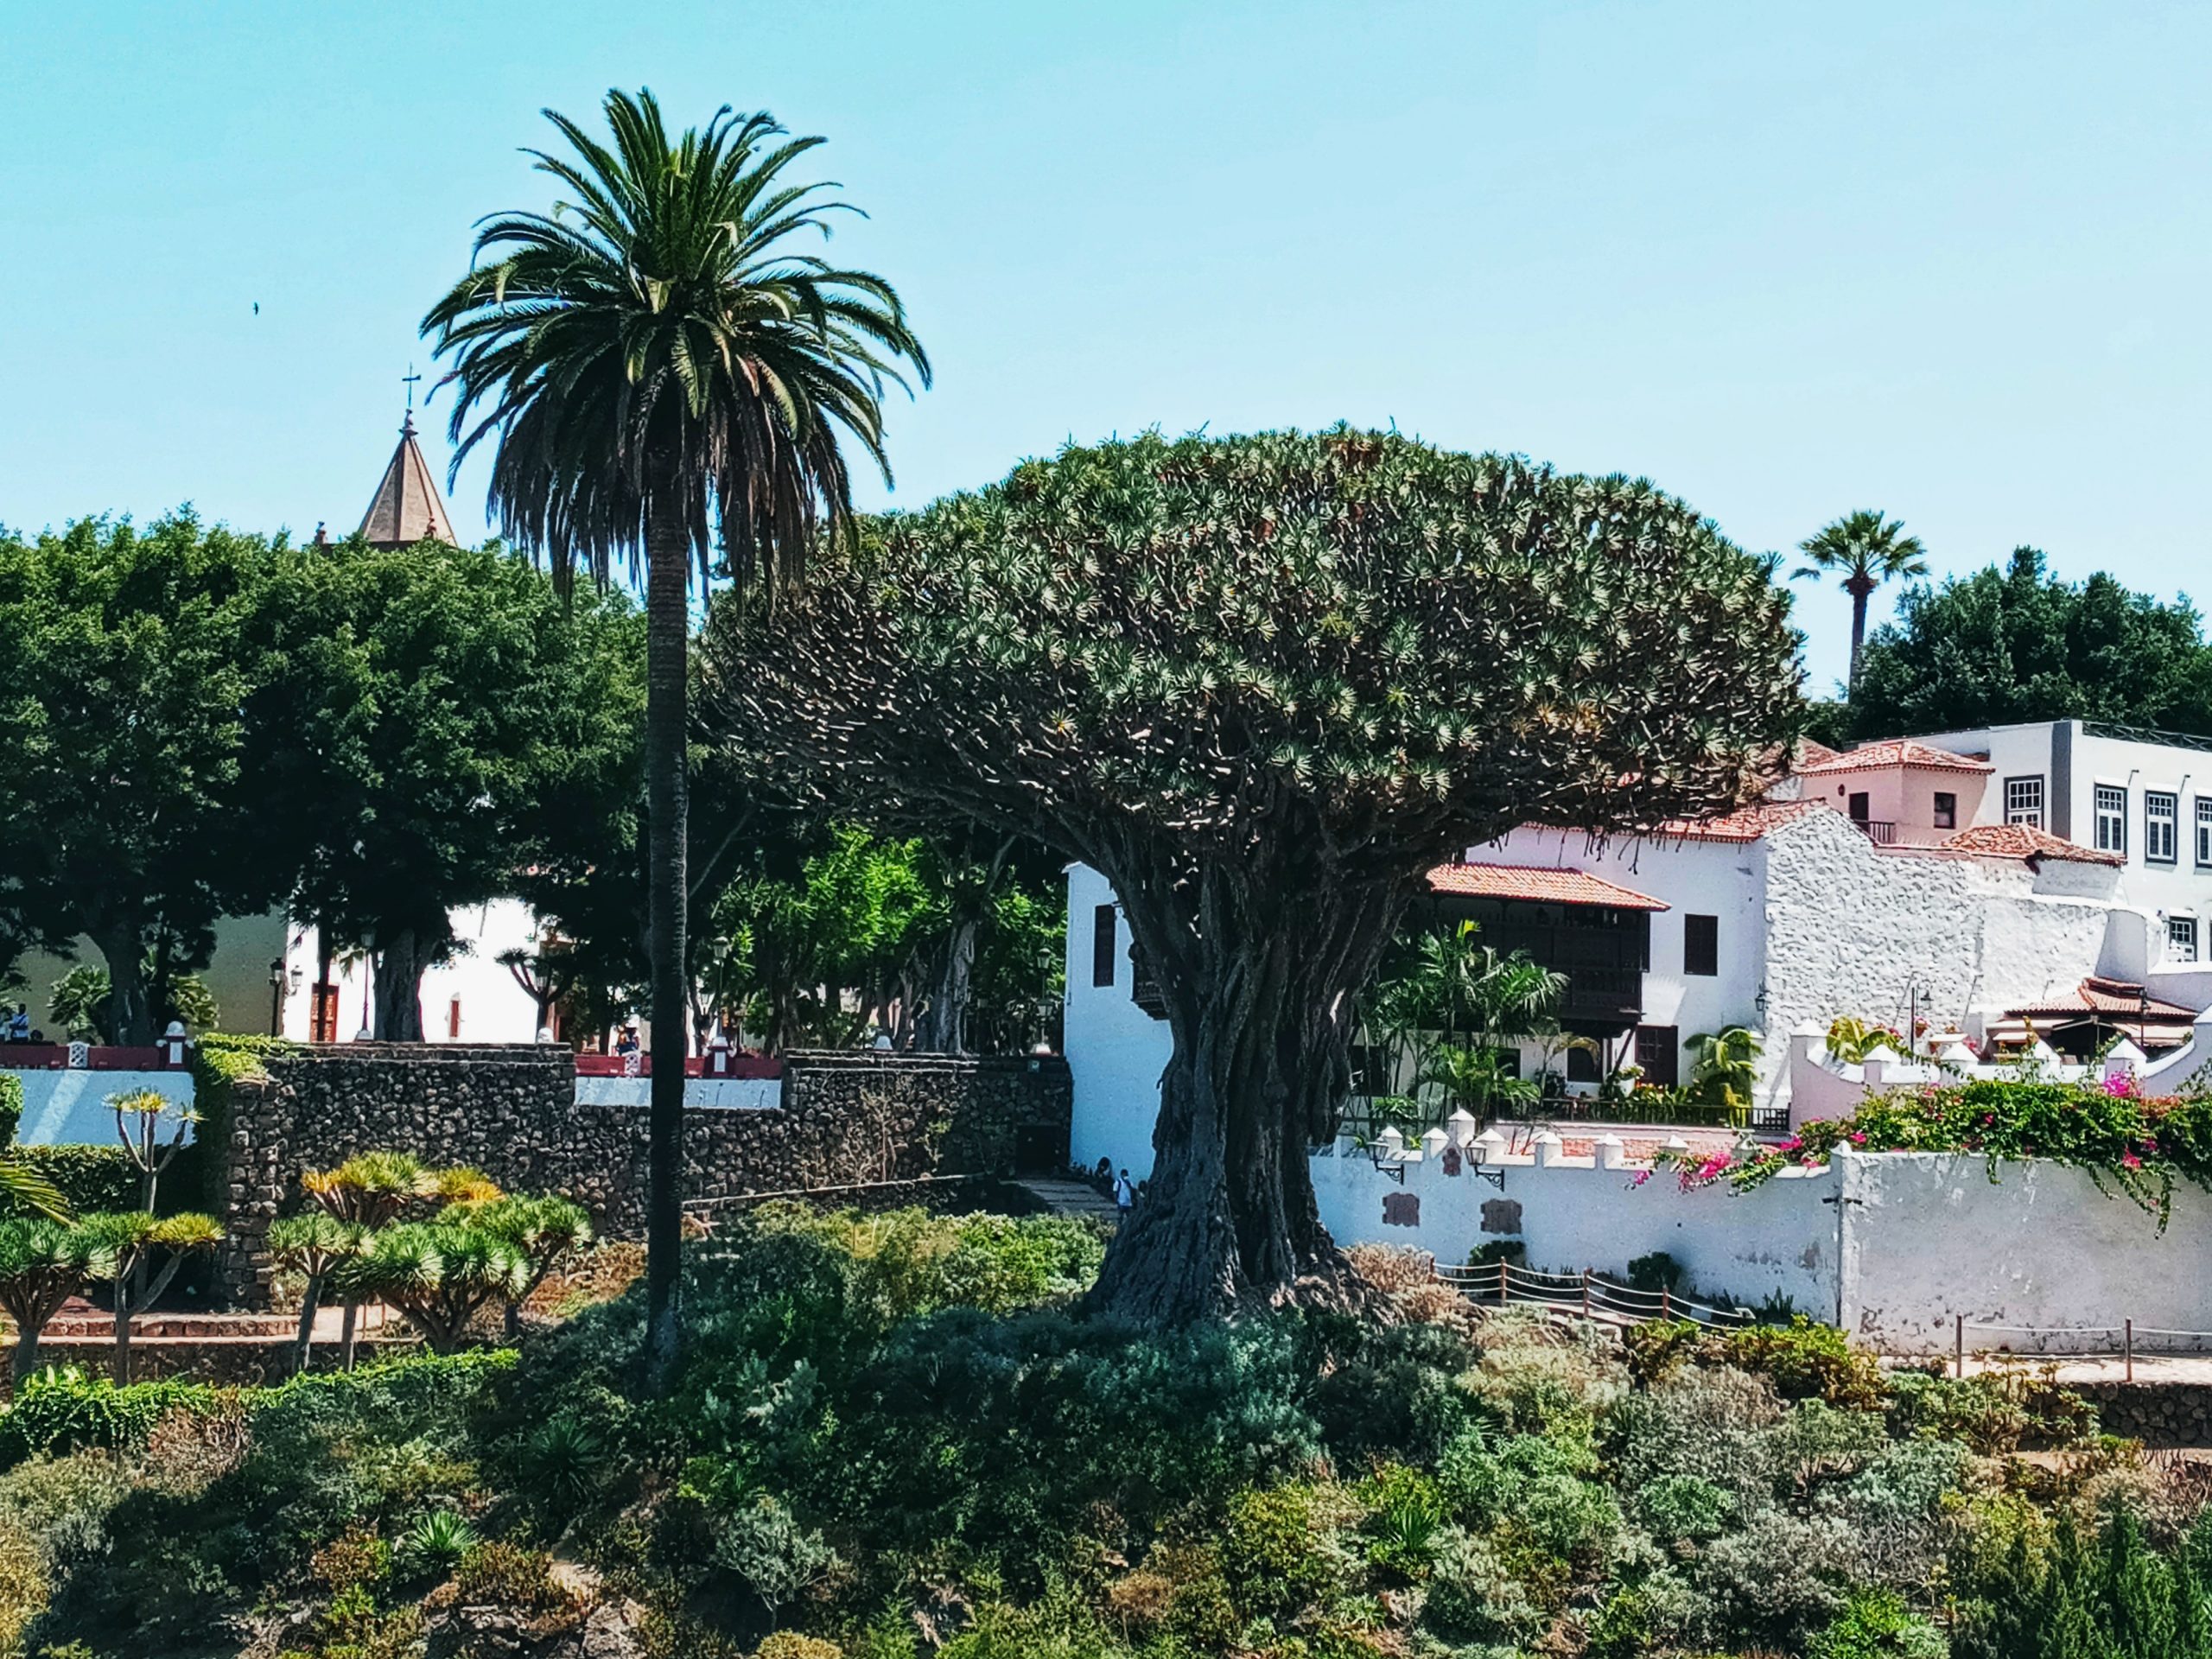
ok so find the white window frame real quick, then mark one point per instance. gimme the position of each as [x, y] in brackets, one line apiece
[2180, 938]
[2204, 832]
[2108, 803]
[2161, 826]
[2023, 799]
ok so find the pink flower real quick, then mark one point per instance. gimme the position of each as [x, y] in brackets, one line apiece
[2129, 1160]
[2150, 1147]
[1642, 1176]
[1857, 1137]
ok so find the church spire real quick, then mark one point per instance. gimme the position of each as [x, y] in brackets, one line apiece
[407, 507]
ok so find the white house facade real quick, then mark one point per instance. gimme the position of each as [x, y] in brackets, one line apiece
[1905, 880]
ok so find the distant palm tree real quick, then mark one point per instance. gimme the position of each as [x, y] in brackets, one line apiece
[1868, 550]
[665, 376]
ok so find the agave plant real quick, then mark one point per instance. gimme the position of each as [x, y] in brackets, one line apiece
[434, 1546]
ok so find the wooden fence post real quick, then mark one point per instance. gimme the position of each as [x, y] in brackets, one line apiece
[1501, 1281]
[1958, 1342]
[2127, 1348]
[1585, 1292]
[1666, 1304]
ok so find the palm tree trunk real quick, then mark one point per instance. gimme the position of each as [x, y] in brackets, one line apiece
[668, 634]
[1860, 592]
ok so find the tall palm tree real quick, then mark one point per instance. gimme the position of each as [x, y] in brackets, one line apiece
[664, 376]
[1868, 550]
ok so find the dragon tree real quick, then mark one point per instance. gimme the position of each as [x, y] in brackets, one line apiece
[1264, 684]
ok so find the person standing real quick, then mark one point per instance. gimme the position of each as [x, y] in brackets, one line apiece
[1125, 1195]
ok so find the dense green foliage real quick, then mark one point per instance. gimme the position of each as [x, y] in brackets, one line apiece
[123, 688]
[2015, 643]
[888, 1439]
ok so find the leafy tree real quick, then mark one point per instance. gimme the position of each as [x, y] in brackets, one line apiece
[1863, 550]
[665, 376]
[438, 1274]
[2014, 643]
[1725, 1071]
[411, 707]
[123, 1246]
[312, 1245]
[542, 1232]
[42, 1264]
[78, 1001]
[1263, 685]
[138, 1118]
[121, 690]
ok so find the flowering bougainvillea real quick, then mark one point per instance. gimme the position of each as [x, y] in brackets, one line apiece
[2140, 1144]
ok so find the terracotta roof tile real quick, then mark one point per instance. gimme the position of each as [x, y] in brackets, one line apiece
[1897, 752]
[1744, 824]
[2106, 996]
[2026, 840]
[1536, 884]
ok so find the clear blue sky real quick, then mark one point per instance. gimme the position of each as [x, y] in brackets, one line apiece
[1948, 260]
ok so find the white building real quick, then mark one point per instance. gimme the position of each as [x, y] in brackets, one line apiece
[1931, 879]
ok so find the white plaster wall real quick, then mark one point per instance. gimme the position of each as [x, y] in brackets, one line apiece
[493, 1009]
[70, 1108]
[1929, 1236]
[1707, 878]
[1778, 1239]
[1115, 1050]
[736, 1094]
[1848, 925]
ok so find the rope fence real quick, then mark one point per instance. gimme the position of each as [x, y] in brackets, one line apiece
[1592, 1295]
[2122, 1342]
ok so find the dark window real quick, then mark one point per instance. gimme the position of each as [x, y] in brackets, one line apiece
[1370, 1069]
[2161, 819]
[1947, 810]
[1508, 1061]
[1861, 809]
[1658, 1051]
[1103, 922]
[1701, 945]
[1582, 1065]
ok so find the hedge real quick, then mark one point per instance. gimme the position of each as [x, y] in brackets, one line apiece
[11, 1107]
[91, 1178]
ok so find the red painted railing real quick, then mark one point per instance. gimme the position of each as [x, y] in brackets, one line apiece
[641, 1065]
[55, 1057]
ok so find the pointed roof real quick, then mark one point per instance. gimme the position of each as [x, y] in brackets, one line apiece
[407, 507]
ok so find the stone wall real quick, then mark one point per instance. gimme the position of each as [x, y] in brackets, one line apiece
[2158, 1413]
[844, 1119]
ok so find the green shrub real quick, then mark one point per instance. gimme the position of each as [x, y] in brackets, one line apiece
[1683, 1509]
[1994, 1412]
[61, 1409]
[1661, 1348]
[1808, 1360]
[1779, 1576]
[1278, 1551]
[1654, 1273]
[1472, 1597]
[91, 1179]
[1877, 1625]
[1654, 1612]
[11, 1107]
[1394, 1393]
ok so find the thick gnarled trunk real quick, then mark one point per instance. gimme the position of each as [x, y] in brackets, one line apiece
[1258, 986]
[130, 1009]
[397, 985]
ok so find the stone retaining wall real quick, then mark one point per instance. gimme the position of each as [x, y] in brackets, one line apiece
[2158, 1413]
[512, 1111]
